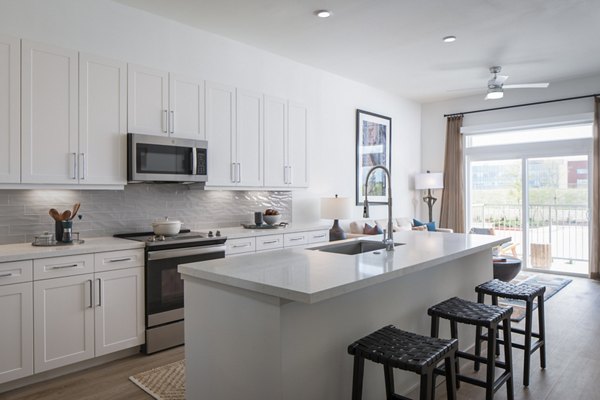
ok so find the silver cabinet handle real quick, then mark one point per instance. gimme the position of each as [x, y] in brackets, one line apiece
[289, 182]
[319, 236]
[74, 155]
[83, 166]
[165, 129]
[91, 293]
[239, 172]
[194, 161]
[233, 175]
[271, 242]
[6, 275]
[172, 122]
[65, 266]
[297, 238]
[99, 292]
[193, 251]
[120, 259]
[285, 174]
[237, 246]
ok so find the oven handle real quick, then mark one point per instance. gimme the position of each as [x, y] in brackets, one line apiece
[162, 254]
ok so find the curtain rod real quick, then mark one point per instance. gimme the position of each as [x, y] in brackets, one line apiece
[521, 105]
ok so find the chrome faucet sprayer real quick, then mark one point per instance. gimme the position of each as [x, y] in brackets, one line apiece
[389, 240]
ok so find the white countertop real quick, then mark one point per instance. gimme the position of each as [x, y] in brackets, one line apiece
[310, 276]
[26, 251]
[241, 232]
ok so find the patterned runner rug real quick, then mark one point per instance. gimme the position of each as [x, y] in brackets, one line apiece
[163, 383]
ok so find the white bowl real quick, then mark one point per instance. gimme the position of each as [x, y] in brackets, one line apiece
[166, 227]
[271, 219]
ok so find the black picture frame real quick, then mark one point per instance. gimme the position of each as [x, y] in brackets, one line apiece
[373, 147]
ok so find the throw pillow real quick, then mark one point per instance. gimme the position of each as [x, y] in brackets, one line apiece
[419, 228]
[430, 225]
[372, 230]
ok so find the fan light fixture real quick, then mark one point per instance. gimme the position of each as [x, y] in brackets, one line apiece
[449, 39]
[323, 13]
[494, 93]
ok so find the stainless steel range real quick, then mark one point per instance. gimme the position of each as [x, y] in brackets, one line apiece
[163, 284]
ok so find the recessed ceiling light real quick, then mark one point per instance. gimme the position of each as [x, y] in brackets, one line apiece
[323, 13]
[449, 39]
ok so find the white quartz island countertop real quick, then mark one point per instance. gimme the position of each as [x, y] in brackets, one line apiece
[310, 276]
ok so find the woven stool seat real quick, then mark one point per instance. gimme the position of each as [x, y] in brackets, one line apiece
[404, 350]
[510, 290]
[468, 312]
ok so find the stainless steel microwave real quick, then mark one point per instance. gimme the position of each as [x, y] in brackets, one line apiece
[165, 159]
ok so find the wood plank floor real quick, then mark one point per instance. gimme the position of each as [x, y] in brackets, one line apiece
[573, 361]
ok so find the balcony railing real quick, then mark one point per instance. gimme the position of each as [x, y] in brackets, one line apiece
[564, 227]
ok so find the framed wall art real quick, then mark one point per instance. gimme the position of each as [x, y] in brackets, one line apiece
[373, 147]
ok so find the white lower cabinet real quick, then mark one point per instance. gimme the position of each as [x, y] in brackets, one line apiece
[119, 309]
[63, 321]
[16, 331]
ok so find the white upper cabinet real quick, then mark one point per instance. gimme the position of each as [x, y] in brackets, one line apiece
[276, 171]
[249, 133]
[148, 101]
[163, 103]
[10, 98]
[186, 107]
[102, 121]
[297, 145]
[49, 114]
[220, 134]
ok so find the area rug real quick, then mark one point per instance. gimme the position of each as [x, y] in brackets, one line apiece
[163, 383]
[553, 285]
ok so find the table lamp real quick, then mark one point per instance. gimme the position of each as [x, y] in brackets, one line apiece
[336, 208]
[429, 181]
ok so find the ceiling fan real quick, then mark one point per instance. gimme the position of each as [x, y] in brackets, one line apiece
[496, 85]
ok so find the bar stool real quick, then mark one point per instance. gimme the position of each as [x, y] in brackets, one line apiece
[528, 293]
[482, 316]
[407, 351]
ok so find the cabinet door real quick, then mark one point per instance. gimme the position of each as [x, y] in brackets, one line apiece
[49, 114]
[186, 104]
[119, 311]
[249, 138]
[102, 121]
[63, 321]
[10, 112]
[275, 142]
[220, 133]
[148, 96]
[297, 145]
[16, 331]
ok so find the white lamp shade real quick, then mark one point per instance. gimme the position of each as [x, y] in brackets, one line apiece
[429, 180]
[336, 208]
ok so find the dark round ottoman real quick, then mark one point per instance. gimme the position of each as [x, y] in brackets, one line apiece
[506, 268]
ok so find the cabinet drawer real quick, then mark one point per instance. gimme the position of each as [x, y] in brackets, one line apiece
[318, 236]
[269, 242]
[16, 272]
[295, 239]
[237, 246]
[112, 260]
[56, 267]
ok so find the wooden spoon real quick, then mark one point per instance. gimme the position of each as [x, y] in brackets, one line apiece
[75, 210]
[66, 215]
[54, 214]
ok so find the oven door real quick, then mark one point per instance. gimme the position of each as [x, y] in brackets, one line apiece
[164, 286]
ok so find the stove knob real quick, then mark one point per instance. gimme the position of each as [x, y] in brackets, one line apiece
[218, 233]
[162, 238]
[152, 239]
[210, 234]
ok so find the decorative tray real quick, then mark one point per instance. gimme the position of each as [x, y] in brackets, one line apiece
[58, 244]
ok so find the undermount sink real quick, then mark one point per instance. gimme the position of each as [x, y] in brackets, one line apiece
[352, 248]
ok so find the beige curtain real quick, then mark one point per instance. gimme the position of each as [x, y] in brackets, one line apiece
[595, 242]
[453, 196]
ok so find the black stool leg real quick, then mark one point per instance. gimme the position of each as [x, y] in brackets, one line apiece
[454, 335]
[388, 372]
[480, 299]
[491, 361]
[527, 349]
[542, 330]
[450, 377]
[495, 302]
[357, 377]
[508, 358]
[426, 385]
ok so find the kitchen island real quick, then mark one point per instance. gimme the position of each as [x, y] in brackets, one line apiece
[276, 325]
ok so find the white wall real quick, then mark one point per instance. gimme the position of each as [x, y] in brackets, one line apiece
[433, 123]
[113, 30]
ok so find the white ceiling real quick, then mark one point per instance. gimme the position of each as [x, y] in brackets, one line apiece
[397, 44]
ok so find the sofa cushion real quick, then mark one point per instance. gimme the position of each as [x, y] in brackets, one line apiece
[372, 230]
[430, 225]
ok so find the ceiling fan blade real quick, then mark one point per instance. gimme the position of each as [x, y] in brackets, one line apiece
[527, 86]
[500, 79]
